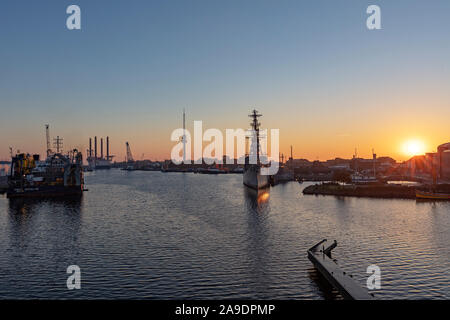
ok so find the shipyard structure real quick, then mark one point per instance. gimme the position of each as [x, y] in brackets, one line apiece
[95, 161]
[58, 175]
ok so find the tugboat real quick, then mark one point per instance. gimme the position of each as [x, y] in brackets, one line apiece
[59, 175]
[252, 172]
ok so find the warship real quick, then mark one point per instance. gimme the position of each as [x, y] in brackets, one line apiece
[252, 171]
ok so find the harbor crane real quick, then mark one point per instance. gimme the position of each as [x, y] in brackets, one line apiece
[129, 155]
[47, 135]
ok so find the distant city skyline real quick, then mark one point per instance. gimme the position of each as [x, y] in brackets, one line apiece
[312, 68]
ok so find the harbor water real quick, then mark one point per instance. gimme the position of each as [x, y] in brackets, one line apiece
[153, 235]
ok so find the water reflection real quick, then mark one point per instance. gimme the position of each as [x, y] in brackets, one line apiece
[258, 233]
[30, 217]
[26, 207]
[42, 238]
[325, 288]
[208, 237]
[257, 200]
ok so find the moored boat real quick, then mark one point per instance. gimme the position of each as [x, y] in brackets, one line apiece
[429, 195]
[59, 175]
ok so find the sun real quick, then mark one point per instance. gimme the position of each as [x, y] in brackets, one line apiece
[413, 147]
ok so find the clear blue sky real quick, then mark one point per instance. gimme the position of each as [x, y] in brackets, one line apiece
[307, 65]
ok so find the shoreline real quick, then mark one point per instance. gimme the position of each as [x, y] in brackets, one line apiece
[383, 191]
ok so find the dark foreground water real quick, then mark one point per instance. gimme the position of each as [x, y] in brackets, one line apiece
[156, 235]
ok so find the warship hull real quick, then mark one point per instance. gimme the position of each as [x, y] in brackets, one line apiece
[254, 179]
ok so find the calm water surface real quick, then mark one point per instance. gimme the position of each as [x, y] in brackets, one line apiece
[170, 235]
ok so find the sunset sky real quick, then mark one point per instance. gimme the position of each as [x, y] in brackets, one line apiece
[312, 68]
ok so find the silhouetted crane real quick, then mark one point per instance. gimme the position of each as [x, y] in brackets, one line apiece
[129, 155]
[47, 135]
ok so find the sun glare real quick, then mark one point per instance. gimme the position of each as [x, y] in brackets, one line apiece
[414, 147]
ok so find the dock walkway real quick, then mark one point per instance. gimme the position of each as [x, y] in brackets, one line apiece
[344, 283]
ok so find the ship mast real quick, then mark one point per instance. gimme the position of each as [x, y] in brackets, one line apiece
[255, 124]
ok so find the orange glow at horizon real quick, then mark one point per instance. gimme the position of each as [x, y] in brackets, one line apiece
[335, 135]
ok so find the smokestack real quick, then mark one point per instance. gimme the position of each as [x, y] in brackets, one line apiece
[107, 148]
[95, 146]
[90, 147]
[101, 148]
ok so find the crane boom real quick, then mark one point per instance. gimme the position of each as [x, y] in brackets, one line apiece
[47, 135]
[129, 155]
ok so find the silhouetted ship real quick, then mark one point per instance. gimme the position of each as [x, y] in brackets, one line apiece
[252, 172]
[58, 175]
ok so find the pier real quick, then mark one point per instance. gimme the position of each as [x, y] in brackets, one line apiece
[386, 191]
[339, 279]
